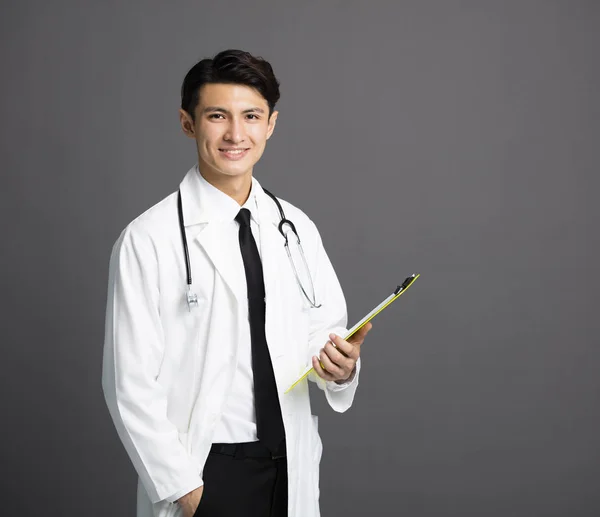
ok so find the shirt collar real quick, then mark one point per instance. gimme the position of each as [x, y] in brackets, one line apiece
[204, 203]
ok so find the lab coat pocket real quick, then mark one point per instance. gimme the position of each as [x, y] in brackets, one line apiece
[184, 440]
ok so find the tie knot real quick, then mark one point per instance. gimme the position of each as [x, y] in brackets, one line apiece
[243, 217]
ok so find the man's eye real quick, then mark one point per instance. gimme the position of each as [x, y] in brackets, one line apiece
[252, 116]
[215, 115]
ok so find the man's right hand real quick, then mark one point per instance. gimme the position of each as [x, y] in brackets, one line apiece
[190, 501]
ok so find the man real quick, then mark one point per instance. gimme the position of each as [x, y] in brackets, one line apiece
[196, 391]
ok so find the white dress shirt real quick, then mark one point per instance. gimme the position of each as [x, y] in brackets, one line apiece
[238, 420]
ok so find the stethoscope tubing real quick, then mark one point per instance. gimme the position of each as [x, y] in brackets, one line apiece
[284, 221]
[188, 267]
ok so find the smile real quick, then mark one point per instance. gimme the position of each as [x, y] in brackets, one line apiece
[234, 154]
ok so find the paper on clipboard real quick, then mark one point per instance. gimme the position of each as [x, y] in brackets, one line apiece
[399, 291]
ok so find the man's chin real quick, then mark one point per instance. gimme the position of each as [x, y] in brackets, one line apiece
[225, 170]
[237, 171]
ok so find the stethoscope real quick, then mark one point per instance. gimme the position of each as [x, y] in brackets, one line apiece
[192, 297]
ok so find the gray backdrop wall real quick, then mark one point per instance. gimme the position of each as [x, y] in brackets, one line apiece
[457, 139]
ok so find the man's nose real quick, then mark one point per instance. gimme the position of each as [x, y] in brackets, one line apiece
[235, 131]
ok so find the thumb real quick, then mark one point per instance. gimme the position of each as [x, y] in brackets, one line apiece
[359, 336]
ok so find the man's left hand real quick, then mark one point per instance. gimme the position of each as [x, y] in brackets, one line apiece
[339, 356]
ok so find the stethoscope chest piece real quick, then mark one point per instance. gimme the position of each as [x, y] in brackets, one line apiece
[192, 299]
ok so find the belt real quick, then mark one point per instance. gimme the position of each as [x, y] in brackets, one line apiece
[248, 450]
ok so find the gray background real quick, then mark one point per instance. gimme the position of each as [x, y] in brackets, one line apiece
[457, 139]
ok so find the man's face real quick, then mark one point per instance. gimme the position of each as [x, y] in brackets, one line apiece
[231, 129]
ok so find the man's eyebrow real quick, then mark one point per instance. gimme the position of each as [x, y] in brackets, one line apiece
[208, 109]
[218, 109]
[254, 110]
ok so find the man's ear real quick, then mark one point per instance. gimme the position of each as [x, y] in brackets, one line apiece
[272, 122]
[187, 124]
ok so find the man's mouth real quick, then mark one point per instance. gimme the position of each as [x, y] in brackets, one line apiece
[234, 153]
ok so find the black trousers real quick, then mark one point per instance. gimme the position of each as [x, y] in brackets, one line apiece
[243, 486]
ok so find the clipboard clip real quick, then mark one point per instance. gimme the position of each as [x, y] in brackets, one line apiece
[409, 280]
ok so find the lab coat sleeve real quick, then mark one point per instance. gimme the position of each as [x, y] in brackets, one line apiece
[133, 351]
[331, 317]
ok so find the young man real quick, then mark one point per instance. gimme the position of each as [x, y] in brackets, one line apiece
[194, 377]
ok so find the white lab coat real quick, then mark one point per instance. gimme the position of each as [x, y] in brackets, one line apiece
[167, 371]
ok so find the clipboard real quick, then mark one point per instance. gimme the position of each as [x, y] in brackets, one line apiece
[399, 291]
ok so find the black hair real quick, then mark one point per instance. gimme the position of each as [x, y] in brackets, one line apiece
[230, 67]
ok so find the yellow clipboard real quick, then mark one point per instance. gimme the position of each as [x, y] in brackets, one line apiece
[399, 291]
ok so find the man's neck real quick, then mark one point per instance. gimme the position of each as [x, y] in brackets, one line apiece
[236, 187]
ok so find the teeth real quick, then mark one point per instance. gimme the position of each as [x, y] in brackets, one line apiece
[236, 151]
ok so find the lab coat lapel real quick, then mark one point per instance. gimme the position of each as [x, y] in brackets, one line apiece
[222, 253]
[272, 253]
[203, 229]
[271, 242]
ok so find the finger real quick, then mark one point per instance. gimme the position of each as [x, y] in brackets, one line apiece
[337, 356]
[319, 370]
[330, 366]
[345, 347]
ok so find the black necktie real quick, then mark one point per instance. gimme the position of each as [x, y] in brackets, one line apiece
[269, 424]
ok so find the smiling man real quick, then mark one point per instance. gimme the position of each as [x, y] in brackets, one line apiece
[211, 316]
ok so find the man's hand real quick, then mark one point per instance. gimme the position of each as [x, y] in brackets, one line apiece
[339, 357]
[190, 501]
